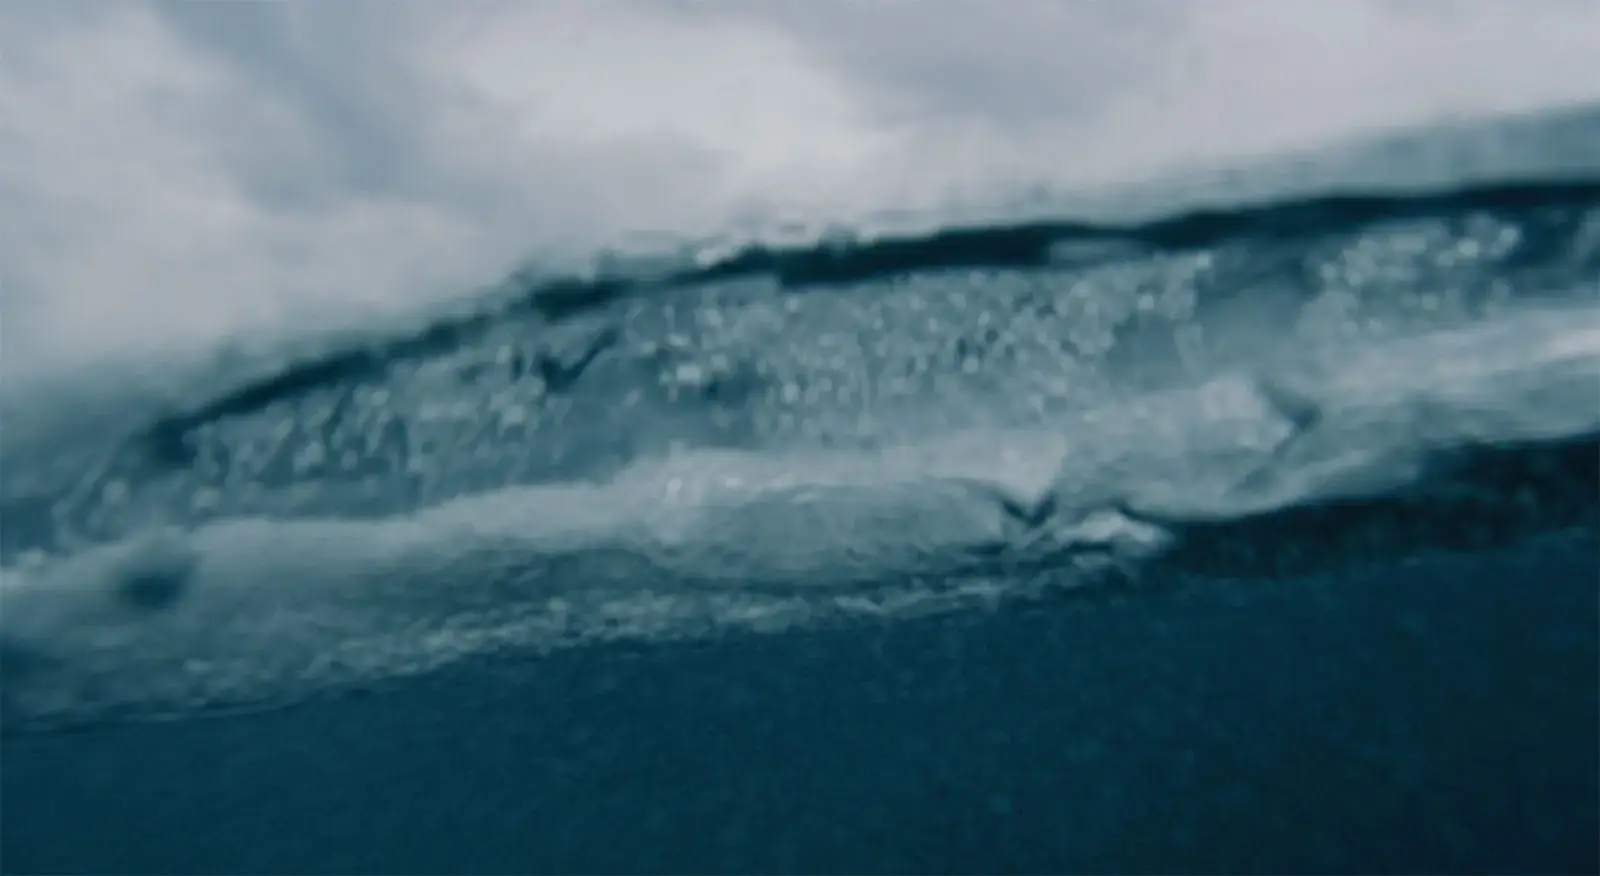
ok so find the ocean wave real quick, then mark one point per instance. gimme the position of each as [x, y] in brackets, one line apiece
[1550, 211]
[252, 610]
[764, 437]
[759, 359]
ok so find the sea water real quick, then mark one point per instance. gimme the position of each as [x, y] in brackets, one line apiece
[1187, 387]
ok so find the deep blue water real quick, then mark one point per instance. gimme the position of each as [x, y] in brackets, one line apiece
[1249, 527]
[1434, 717]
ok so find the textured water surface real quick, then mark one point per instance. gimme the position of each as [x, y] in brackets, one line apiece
[865, 427]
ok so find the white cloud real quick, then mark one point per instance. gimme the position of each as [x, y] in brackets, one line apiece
[175, 173]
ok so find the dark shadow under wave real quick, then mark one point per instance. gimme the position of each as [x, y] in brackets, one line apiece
[1043, 244]
[1480, 498]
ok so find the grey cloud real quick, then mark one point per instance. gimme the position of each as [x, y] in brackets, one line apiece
[1019, 65]
[357, 117]
[344, 75]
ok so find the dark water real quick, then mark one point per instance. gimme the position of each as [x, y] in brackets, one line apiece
[1394, 667]
[1439, 716]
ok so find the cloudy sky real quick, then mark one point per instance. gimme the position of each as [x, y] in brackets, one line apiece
[174, 173]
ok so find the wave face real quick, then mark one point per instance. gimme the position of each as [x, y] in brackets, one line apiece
[867, 426]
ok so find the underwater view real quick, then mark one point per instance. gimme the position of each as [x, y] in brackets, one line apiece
[1227, 506]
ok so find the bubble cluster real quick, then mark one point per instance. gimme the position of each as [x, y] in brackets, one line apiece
[751, 361]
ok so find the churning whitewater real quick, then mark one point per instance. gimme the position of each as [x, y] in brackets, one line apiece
[243, 610]
[784, 438]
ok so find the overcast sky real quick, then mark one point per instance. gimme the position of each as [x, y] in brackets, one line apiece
[171, 173]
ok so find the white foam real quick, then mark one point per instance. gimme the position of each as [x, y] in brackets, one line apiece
[325, 167]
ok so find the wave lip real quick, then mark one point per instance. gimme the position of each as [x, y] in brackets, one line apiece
[771, 346]
[252, 611]
[1044, 244]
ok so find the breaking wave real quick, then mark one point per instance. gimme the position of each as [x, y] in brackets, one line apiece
[762, 437]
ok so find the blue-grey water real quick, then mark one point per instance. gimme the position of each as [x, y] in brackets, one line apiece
[1239, 523]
